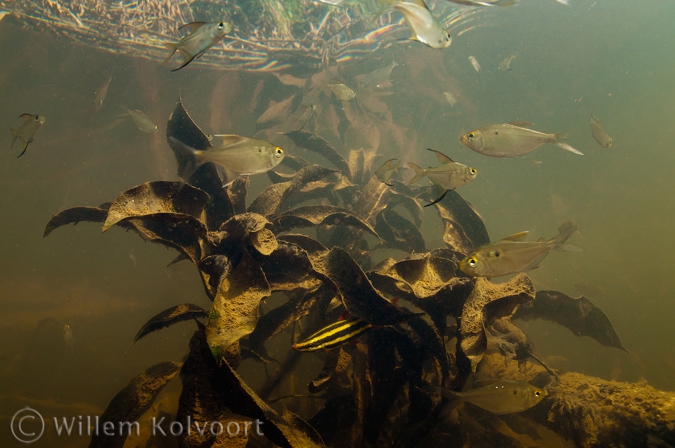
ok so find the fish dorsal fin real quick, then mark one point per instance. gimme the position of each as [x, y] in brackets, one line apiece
[522, 124]
[26, 117]
[420, 3]
[520, 236]
[230, 139]
[442, 158]
[193, 26]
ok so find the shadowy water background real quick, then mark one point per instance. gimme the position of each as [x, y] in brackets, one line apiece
[617, 57]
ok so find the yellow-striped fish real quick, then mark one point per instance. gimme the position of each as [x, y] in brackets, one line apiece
[334, 335]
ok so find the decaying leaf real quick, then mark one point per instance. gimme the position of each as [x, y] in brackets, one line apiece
[159, 197]
[399, 233]
[131, 402]
[268, 201]
[502, 299]
[335, 364]
[464, 228]
[288, 267]
[237, 192]
[319, 145]
[315, 215]
[246, 227]
[76, 214]
[212, 268]
[578, 314]
[181, 232]
[168, 317]
[236, 306]
[374, 198]
[359, 296]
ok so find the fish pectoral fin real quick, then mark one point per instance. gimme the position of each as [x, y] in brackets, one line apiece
[442, 158]
[521, 124]
[569, 248]
[193, 26]
[520, 236]
[227, 176]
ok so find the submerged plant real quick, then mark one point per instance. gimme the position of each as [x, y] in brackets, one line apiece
[444, 327]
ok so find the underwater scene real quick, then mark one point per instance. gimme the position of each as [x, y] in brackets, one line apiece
[337, 223]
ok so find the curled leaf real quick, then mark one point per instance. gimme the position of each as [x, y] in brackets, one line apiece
[76, 214]
[268, 201]
[502, 299]
[464, 227]
[578, 314]
[398, 233]
[132, 401]
[314, 215]
[168, 317]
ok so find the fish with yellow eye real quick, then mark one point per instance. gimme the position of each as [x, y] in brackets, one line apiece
[511, 254]
[235, 156]
[31, 124]
[447, 176]
[501, 397]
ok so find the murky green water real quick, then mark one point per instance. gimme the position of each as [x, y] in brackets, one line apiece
[614, 57]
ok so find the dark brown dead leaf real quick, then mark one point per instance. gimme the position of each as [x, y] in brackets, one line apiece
[76, 214]
[159, 197]
[502, 299]
[398, 233]
[237, 305]
[288, 267]
[335, 363]
[312, 246]
[464, 227]
[315, 215]
[132, 401]
[317, 144]
[168, 317]
[578, 314]
[268, 201]
[374, 198]
[306, 175]
[181, 232]
[237, 191]
[359, 296]
[245, 227]
[212, 269]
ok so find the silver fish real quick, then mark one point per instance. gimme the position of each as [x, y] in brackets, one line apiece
[31, 124]
[235, 156]
[447, 176]
[511, 140]
[101, 94]
[378, 78]
[512, 254]
[600, 134]
[143, 122]
[68, 337]
[506, 63]
[203, 35]
[387, 170]
[341, 91]
[501, 397]
[450, 98]
[474, 63]
[424, 25]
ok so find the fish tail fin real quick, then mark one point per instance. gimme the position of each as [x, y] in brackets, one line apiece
[419, 173]
[189, 159]
[15, 135]
[560, 141]
[566, 230]
[172, 47]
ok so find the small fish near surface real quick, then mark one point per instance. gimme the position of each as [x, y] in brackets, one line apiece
[511, 140]
[203, 35]
[387, 170]
[235, 156]
[512, 254]
[450, 98]
[506, 63]
[600, 134]
[101, 94]
[379, 78]
[334, 335]
[341, 91]
[424, 25]
[474, 63]
[501, 397]
[31, 124]
[68, 337]
[143, 122]
[447, 176]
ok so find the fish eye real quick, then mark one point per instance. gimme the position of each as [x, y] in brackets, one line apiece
[471, 136]
[472, 171]
[497, 253]
[537, 393]
[472, 262]
[278, 152]
[221, 25]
